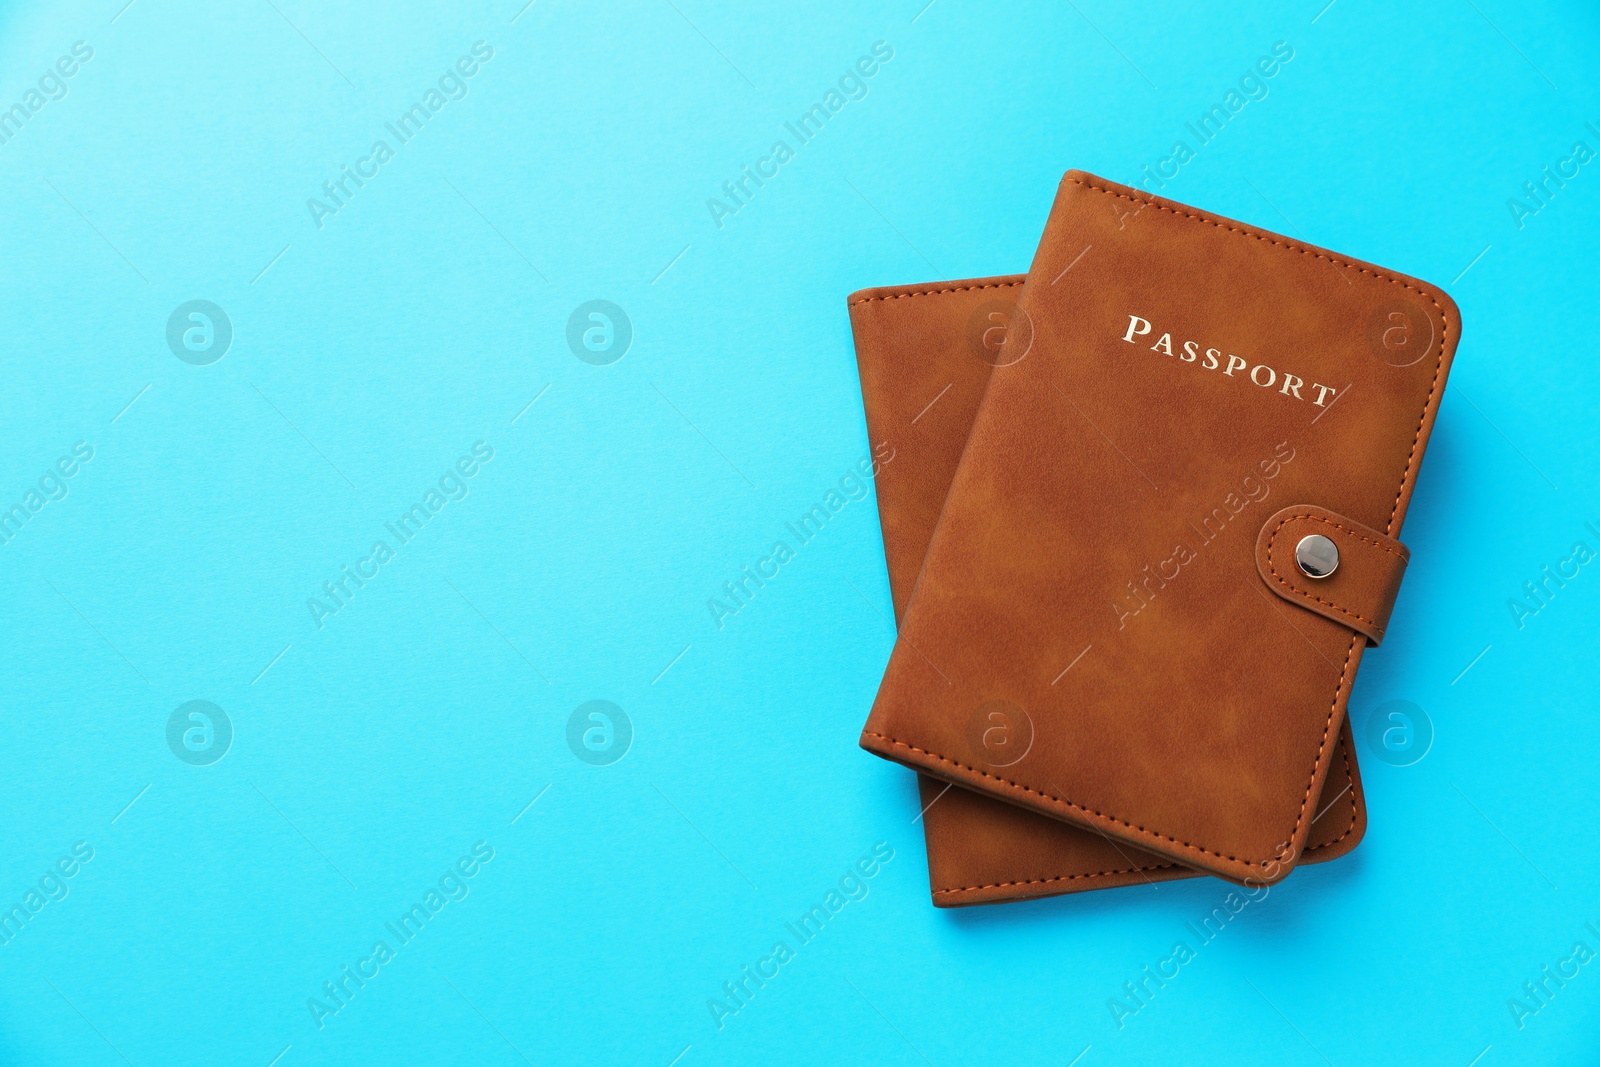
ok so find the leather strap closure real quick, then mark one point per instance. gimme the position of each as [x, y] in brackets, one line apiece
[1360, 591]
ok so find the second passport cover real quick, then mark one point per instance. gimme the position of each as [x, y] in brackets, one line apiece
[1091, 594]
[925, 353]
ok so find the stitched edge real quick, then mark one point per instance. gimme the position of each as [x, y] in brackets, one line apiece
[1348, 830]
[1062, 800]
[1272, 541]
[935, 292]
[1058, 878]
[1329, 522]
[1405, 480]
[1344, 755]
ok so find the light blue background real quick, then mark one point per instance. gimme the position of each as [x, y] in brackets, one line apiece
[424, 716]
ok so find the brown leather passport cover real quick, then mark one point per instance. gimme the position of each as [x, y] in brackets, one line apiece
[1108, 627]
[925, 353]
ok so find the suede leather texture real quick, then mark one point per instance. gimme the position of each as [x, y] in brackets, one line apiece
[1089, 636]
[924, 354]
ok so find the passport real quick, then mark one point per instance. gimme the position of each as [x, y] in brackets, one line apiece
[1103, 465]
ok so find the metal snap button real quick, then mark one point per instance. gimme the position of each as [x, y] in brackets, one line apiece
[1317, 555]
